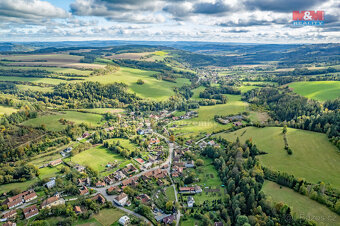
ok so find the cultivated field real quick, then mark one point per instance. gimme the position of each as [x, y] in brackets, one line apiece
[318, 90]
[302, 206]
[314, 157]
[51, 121]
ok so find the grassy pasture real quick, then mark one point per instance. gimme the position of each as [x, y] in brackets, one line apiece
[7, 110]
[152, 88]
[98, 157]
[301, 205]
[314, 157]
[50, 69]
[104, 110]
[35, 88]
[21, 185]
[51, 121]
[317, 90]
[205, 121]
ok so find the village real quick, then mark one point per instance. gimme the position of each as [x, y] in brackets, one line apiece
[155, 180]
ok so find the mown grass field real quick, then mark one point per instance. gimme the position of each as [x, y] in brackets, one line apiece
[98, 157]
[107, 217]
[314, 157]
[302, 206]
[48, 172]
[152, 88]
[7, 110]
[51, 121]
[205, 122]
[317, 90]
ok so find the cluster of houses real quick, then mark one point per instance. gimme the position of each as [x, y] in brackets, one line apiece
[122, 199]
[19, 199]
[204, 144]
[178, 165]
[66, 152]
[188, 115]
[32, 210]
[235, 119]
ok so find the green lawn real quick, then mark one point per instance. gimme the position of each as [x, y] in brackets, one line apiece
[108, 216]
[97, 158]
[189, 222]
[302, 205]
[51, 121]
[152, 88]
[170, 193]
[314, 157]
[48, 172]
[123, 142]
[205, 122]
[318, 90]
[7, 110]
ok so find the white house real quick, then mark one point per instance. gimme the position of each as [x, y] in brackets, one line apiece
[191, 201]
[124, 220]
[50, 184]
[121, 199]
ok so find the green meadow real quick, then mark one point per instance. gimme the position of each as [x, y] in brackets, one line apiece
[98, 157]
[152, 88]
[51, 121]
[301, 205]
[205, 122]
[314, 157]
[35, 88]
[51, 81]
[318, 90]
[7, 110]
[103, 110]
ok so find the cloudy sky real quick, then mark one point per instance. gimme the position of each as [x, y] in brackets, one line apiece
[254, 21]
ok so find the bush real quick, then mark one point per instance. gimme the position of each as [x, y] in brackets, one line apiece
[140, 82]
